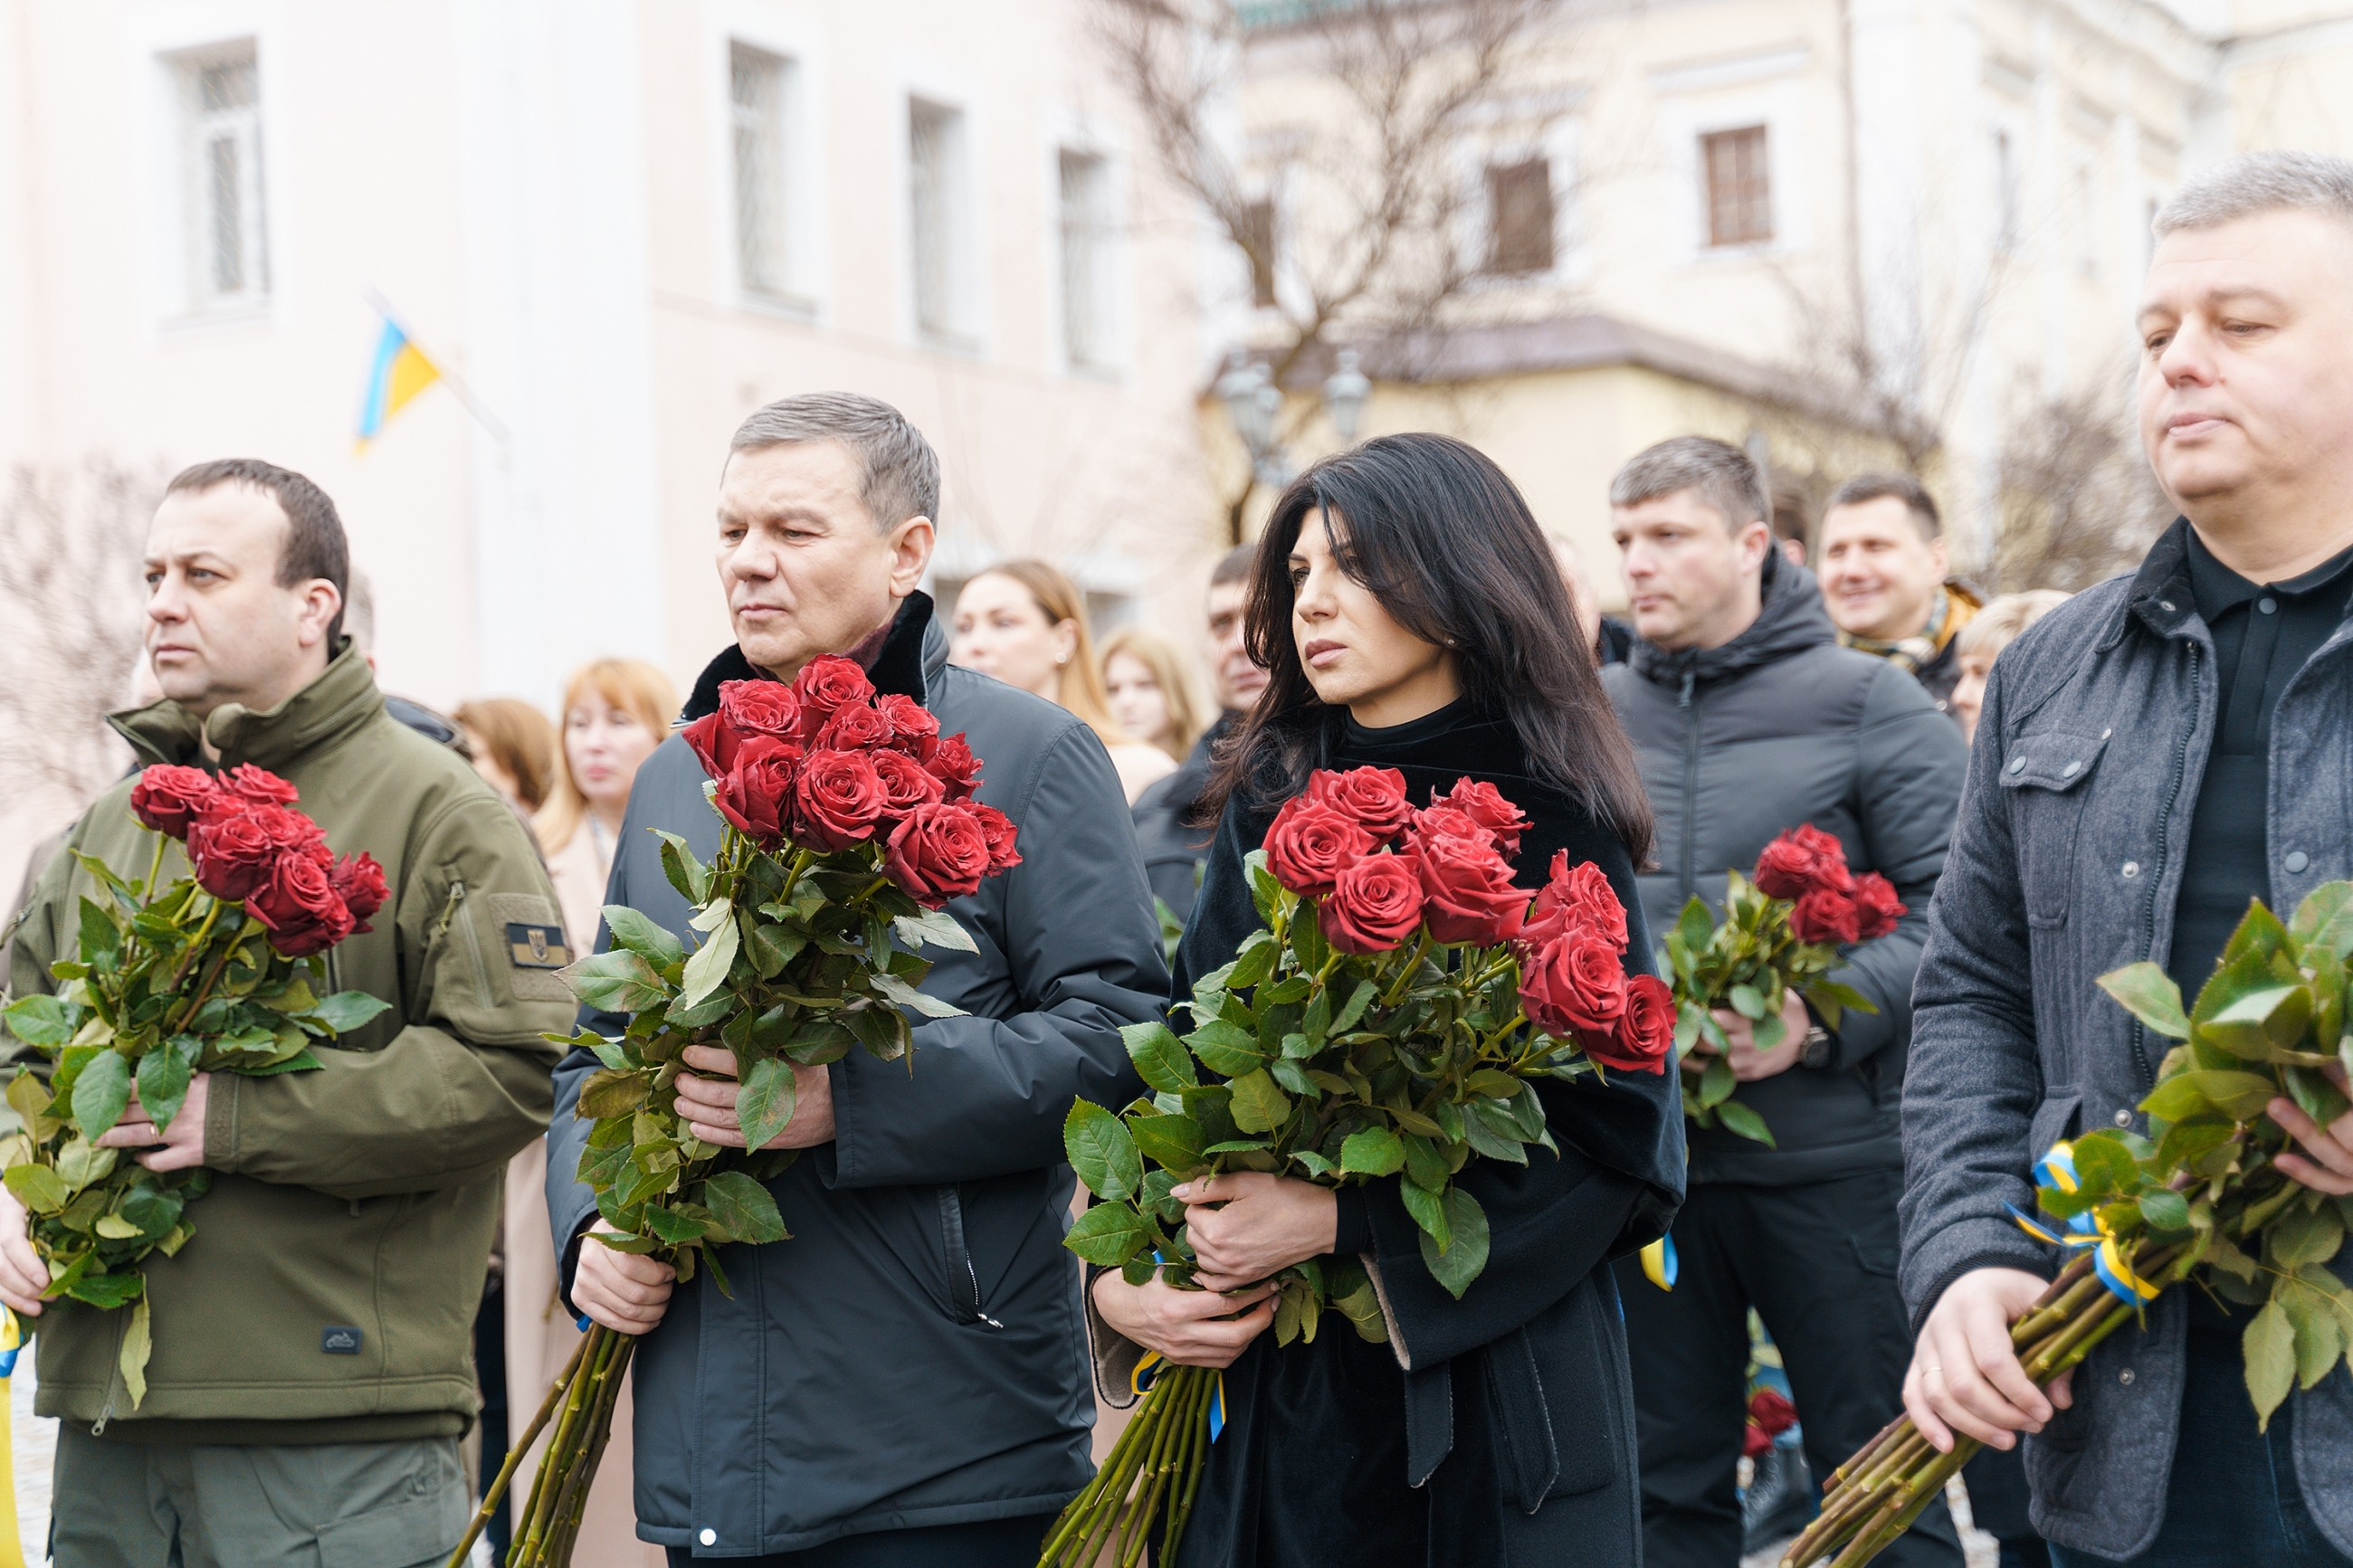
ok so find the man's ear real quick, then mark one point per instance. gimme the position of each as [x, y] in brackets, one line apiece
[910, 545]
[320, 603]
[1942, 556]
[1755, 539]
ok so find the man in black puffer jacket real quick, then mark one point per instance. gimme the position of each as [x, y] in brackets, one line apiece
[1748, 719]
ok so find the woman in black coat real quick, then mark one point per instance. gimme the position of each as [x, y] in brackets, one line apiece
[1411, 615]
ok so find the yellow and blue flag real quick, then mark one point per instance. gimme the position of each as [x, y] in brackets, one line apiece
[400, 372]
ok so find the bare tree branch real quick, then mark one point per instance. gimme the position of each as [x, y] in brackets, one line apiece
[2079, 502]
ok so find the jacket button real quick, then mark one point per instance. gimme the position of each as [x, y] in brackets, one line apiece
[2124, 1119]
[2018, 764]
[2131, 869]
[2124, 1377]
[2070, 770]
[711, 1537]
[2296, 860]
[2267, 605]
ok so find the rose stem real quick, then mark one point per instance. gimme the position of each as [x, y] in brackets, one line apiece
[515, 1455]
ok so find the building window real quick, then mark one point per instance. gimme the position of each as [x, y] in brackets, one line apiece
[228, 244]
[757, 83]
[1258, 241]
[1739, 186]
[2005, 191]
[1519, 198]
[1087, 318]
[936, 216]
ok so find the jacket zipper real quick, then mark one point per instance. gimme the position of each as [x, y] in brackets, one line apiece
[959, 1258]
[1691, 783]
[2164, 839]
[449, 909]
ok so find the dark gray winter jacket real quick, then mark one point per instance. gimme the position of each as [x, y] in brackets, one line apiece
[2067, 864]
[915, 1354]
[1779, 727]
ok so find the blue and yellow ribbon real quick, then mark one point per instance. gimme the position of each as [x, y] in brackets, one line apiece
[2085, 1230]
[1658, 1266]
[1147, 1371]
[11, 1340]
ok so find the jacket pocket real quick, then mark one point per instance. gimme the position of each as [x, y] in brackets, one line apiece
[964, 1279]
[2044, 774]
[2053, 1119]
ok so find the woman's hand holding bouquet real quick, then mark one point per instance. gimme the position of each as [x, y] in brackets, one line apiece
[220, 971]
[1389, 1020]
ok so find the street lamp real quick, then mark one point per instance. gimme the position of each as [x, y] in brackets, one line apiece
[1252, 401]
[1345, 394]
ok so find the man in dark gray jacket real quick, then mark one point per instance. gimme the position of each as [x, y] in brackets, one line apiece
[1747, 720]
[2153, 754]
[909, 1370]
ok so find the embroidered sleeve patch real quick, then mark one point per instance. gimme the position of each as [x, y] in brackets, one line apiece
[537, 946]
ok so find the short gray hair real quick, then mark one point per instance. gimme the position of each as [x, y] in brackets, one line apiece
[2260, 182]
[1721, 472]
[899, 474]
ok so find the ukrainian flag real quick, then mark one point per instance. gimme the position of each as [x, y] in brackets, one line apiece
[400, 372]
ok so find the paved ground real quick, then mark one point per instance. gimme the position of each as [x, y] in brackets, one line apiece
[33, 1443]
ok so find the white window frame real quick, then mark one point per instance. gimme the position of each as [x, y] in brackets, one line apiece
[158, 43]
[1069, 133]
[962, 328]
[795, 37]
[1558, 146]
[1767, 90]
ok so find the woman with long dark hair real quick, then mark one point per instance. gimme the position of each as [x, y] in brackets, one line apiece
[1411, 617]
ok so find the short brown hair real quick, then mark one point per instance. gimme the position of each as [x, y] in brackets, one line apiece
[1234, 565]
[315, 543]
[520, 739]
[898, 472]
[1903, 486]
[1724, 476]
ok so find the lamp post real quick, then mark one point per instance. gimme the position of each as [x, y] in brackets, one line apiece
[1345, 394]
[1252, 402]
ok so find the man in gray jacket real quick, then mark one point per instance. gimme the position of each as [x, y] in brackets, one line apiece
[1748, 719]
[2153, 754]
[904, 1381]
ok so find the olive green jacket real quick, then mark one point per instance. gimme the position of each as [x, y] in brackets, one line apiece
[330, 1291]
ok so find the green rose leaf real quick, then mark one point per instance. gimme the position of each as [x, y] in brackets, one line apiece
[1160, 1057]
[302, 1060]
[347, 1010]
[2164, 1210]
[639, 934]
[1108, 1235]
[936, 927]
[914, 1000]
[1173, 1143]
[100, 1092]
[2241, 1096]
[1359, 1000]
[37, 1187]
[1225, 1049]
[763, 1101]
[2270, 1348]
[2297, 1236]
[673, 1226]
[2325, 916]
[743, 1208]
[2319, 1333]
[689, 876]
[162, 1077]
[1101, 1151]
[1457, 1265]
[1255, 962]
[619, 981]
[1259, 1106]
[1429, 1212]
[1738, 1117]
[2148, 993]
[1373, 1152]
[706, 969]
[103, 1290]
[610, 1093]
[1746, 1001]
[38, 1020]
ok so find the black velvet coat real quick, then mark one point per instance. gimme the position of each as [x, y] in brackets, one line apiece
[1495, 1430]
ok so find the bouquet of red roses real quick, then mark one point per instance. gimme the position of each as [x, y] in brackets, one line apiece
[1781, 932]
[217, 972]
[1387, 1019]
[849, 823]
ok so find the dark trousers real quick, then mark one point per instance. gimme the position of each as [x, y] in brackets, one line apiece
[2233, 1495]
[991, 1544]
[1818, 1262]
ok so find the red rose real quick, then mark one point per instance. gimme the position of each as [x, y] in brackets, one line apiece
[1800, 860]
[1467, 891]
[1578, 898]
[905, 782]
[1771, 1411]
[915, 729]
[1575, 987]
[1827, 916]
[827, 684]
[746, 708]
[298, 905]
[712, 743]
[1375, 903]
[952, 764]
[1485, 804]
[234, 851]
[1374, 798]
[1310, 843]
[168, 798]
[359, 883]
[854, 727]
[1875, 906]
[756, 794]
[258, 785]
[940, 852]
[837, 800]
[1443, 821]
[1645, 1035]
[999, 829]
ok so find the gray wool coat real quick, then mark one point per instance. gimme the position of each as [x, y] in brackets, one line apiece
[2067, 864]
[915, 1355]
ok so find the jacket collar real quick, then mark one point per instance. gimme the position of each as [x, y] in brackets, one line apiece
[1791, 621]
[909, 663]
[335, 706]
[2160, 594]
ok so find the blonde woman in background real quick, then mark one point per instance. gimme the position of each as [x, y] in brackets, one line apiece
[1026, 624]
[1150, 690]
[1976, 645]
[616, 712]
[514, 746]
